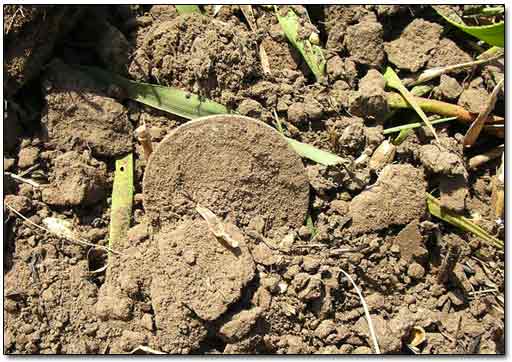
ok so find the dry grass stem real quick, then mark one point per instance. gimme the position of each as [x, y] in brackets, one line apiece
[144, 138]
[75, 241]
[22, 179]
[366, 312]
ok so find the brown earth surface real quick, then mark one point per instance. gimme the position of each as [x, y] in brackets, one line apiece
[171, 284]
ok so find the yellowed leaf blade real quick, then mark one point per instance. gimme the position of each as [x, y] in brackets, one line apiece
[122, 198]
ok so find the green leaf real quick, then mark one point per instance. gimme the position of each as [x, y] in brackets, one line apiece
[406, 129]
[311, 226]
[168, 99]
[434, 207]
[312, 54]
[122, 197]
[313, 153]
[491, 34]
[409, 126]
[394, 82]
[187, 9]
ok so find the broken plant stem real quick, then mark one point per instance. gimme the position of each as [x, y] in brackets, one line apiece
[216, 226]
[478, 160]
[62, 236]
[144, 138]
[366, 312]
[430, 74]
[395, 100]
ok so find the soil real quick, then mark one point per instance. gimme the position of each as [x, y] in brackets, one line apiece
[173, 284]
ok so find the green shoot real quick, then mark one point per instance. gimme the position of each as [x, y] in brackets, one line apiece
[307, 151]
[415, 125]
[406, 129]
[312, 53]
[187, 9]
[394, 82]
[311, 226]
[434, 207]
[314, 154]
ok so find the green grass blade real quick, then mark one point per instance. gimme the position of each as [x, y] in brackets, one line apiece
[313, 153]
[491, 34]
[415, 125]
[311, 226]
[394, 82]
[434, 207]
[312, 54]
[168, 99]
[122, 197]
[187, 9]
[406, 129]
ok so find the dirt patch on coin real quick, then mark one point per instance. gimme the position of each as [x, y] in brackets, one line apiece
[236, 166]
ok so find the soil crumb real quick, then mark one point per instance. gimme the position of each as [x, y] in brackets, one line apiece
[397, 198]
[79, 116]
[414, 47]
[78, 179]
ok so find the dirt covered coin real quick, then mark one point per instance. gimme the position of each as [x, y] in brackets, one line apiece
[236, 166]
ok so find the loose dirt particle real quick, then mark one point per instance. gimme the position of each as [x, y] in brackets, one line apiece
[416, 271]
[370, 101]
[240, 325]
[453, 193]
[474, 98]
[27, 157]
[448, 87]
[364, 42]
[78, 180]
[410, 242]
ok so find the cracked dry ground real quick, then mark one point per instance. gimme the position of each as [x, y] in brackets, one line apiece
[176, 288]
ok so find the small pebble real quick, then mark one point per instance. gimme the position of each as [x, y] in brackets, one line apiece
[416, 271]
[189, 257]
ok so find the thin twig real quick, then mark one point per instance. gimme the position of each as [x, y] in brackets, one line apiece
[29, 170]
[81, 242]
[22, 179]
[366, 312]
